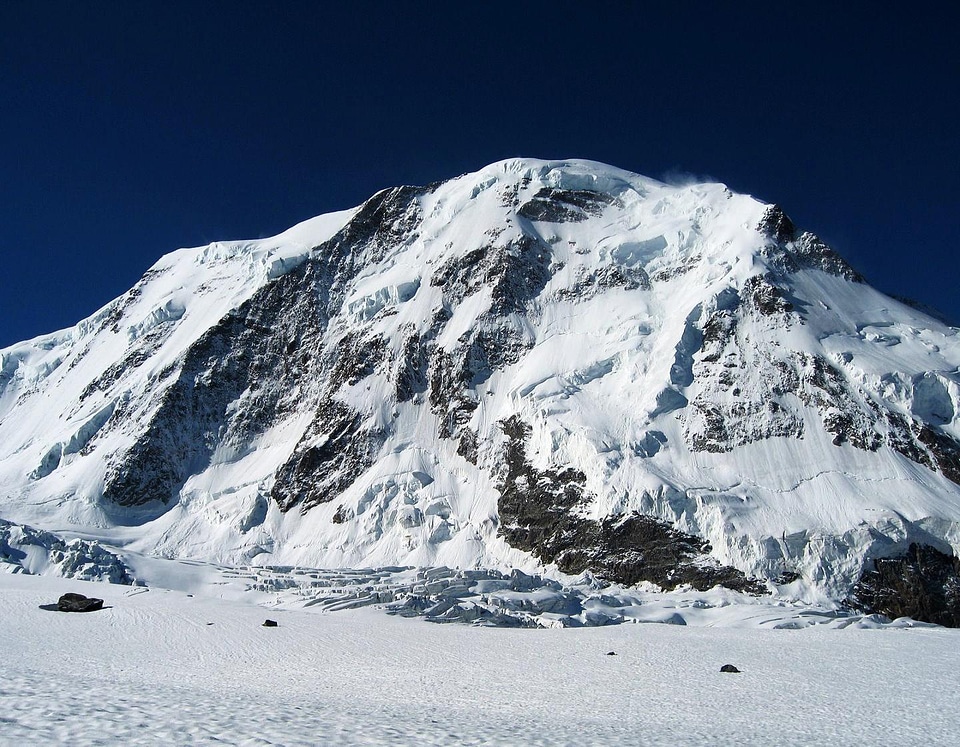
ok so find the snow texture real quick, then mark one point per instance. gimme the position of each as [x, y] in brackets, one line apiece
[27, 550]
[161, 666]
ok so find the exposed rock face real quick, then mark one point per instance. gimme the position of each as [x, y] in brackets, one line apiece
[923, 584]
[538, 513]
[944, 449]
[562, 205]
[257, 355]
[791, 252]
[515, 273]
[552, 363]
[268, 355]
[335, 449]
[771, 404]
[777, 225]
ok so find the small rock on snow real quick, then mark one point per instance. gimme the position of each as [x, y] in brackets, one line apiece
[78, 603]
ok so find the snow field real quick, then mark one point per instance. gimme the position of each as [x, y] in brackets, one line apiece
[151, 669]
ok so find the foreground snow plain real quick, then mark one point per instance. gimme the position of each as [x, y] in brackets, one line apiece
[162, 666]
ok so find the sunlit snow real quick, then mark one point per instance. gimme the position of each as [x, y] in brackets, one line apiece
[605, 380]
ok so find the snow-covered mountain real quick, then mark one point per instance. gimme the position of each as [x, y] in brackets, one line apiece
[552, 366]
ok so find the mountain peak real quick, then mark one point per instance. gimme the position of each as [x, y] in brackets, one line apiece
[557, 366]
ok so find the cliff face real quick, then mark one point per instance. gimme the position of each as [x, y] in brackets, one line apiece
[540, 364]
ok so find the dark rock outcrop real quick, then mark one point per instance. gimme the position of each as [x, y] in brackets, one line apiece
[777, 224]
[268, 354]
[766, 297]
[320, 469]
[945, 451]
[564, 205]
[258, 352]
[515, 273]
[793, 252]
[537, 515]
[923, 584]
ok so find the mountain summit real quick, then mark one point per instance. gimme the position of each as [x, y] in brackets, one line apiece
[547, 365]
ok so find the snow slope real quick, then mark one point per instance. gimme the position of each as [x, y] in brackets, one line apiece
[436, 376]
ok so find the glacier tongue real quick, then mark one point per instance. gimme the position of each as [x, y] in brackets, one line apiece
[553, 366]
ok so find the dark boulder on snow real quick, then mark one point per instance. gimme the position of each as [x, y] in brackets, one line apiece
[78, 603]
[270, 624]
[729, 668]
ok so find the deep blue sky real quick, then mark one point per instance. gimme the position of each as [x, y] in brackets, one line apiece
[129, 129]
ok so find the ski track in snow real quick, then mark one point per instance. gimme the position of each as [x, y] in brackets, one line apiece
[150, 669]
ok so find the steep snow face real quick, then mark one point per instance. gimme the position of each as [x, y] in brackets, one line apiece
[552, 366]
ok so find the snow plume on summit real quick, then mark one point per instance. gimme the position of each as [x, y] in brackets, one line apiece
[556, 366]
